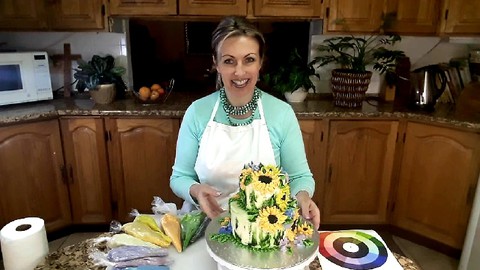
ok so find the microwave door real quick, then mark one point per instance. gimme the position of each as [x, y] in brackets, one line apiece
[10, 78]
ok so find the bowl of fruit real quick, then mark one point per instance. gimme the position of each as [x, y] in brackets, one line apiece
[157, 93]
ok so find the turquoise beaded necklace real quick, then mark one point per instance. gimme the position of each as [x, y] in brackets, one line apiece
[240, 110]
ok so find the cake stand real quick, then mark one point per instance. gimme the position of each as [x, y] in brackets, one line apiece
[232, 257]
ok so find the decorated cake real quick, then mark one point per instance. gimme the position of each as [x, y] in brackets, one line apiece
[263, 215]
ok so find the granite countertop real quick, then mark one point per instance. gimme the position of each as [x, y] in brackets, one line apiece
[78, 257]
[315, 107]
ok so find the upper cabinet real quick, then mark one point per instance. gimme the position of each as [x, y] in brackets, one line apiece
[143, 7]
[52, 15]
[461, 17]
[213, 7]
[287, 8]
[353, 15]
[414, 16]
[423, 17]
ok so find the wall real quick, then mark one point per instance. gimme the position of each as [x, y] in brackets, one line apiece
[84, 43]
[422, 51]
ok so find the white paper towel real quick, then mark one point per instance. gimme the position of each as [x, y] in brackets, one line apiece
[24, 243]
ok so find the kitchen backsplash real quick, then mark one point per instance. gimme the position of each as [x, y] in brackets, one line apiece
[421, 50]
[85, 44]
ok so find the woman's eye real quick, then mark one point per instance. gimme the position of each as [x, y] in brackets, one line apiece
[250, 59]
[228, 61]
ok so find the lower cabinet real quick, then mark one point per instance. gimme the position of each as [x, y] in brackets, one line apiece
[141, 155]
[87, 170]
[358, 177]
[437, 181]
[31, 182]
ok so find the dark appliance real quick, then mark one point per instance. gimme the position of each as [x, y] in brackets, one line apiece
[427, 85]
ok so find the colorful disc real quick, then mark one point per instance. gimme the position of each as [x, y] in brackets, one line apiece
[353, 249]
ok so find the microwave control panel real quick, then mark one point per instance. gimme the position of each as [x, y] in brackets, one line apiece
[42, 74]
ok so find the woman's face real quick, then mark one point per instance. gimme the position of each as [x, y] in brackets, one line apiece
[239, 62]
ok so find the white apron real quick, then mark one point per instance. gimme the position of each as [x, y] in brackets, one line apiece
[224, 150]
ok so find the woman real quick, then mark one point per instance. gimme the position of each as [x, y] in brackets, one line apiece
[235, 125]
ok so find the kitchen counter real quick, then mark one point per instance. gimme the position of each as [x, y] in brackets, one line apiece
[316, 106]
[77, 257]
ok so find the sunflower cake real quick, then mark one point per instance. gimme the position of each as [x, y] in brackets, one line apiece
[262, 215]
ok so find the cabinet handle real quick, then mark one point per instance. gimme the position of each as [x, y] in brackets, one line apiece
[70, 170]
[63, 172]
[330, 170]
[471, 194]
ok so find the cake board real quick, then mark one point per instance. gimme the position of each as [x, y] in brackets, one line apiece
[229, 256]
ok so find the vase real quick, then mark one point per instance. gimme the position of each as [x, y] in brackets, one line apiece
[298, 95]
[349, 87]
[103, 94]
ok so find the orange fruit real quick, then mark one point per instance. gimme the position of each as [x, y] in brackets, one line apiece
[144, 93]
[154, 95]
[155, 87]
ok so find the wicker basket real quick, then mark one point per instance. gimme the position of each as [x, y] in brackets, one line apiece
[103, 94]
[349, 88]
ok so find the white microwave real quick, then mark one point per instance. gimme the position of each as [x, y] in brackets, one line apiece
[24, 77]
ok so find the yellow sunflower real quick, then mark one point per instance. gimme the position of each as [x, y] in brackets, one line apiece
[265, 181]
[282, 198]
[271, 169]
[225, 221]
[271, 219]
[305, 229]
[247, 172]
[290, 234]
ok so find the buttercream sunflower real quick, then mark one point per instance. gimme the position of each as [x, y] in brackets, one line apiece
[246, 173]
[290, 234]
[305, 229]
[282, 198]
[271, 219]
[265, 181]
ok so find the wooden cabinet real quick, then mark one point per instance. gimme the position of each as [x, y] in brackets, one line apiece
[87, 170]
[287, 8]
[52, 15]
[461, 17]
[209, 7]
[313, 139]
[438, 176]
[353, 15]
[141, 153]
[143, 7]
[360, 163]
[31, 182]
[414, 16]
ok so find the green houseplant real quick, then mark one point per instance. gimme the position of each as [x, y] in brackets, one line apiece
[350, 82]
[101, 77]
[292, 76]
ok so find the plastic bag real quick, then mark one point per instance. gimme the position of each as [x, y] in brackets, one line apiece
[172, 228]
[127, 253]
[190, 224]
[143, 232]
[123, 239]
[144, 261]
[160, 207]
[145, 267]
[134, 213]
[115, 226]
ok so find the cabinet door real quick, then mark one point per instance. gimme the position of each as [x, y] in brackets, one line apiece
[31, 182]
[143, 7]
[438, 176]
[76, 15]
[290, 8]
[142, 154]
[312, 133]
[87, 168]
[415, 16]
[360, 164]
[462, 17]
[209, 7]
[22, 15]
[353, 16]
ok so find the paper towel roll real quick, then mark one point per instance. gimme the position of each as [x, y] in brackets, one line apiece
[24, 243]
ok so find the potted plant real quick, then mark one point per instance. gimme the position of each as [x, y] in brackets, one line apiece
[350, 82]
[101, 77]
[292, 78]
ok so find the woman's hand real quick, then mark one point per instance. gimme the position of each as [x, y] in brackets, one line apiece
[308, 208]
[205, 196]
